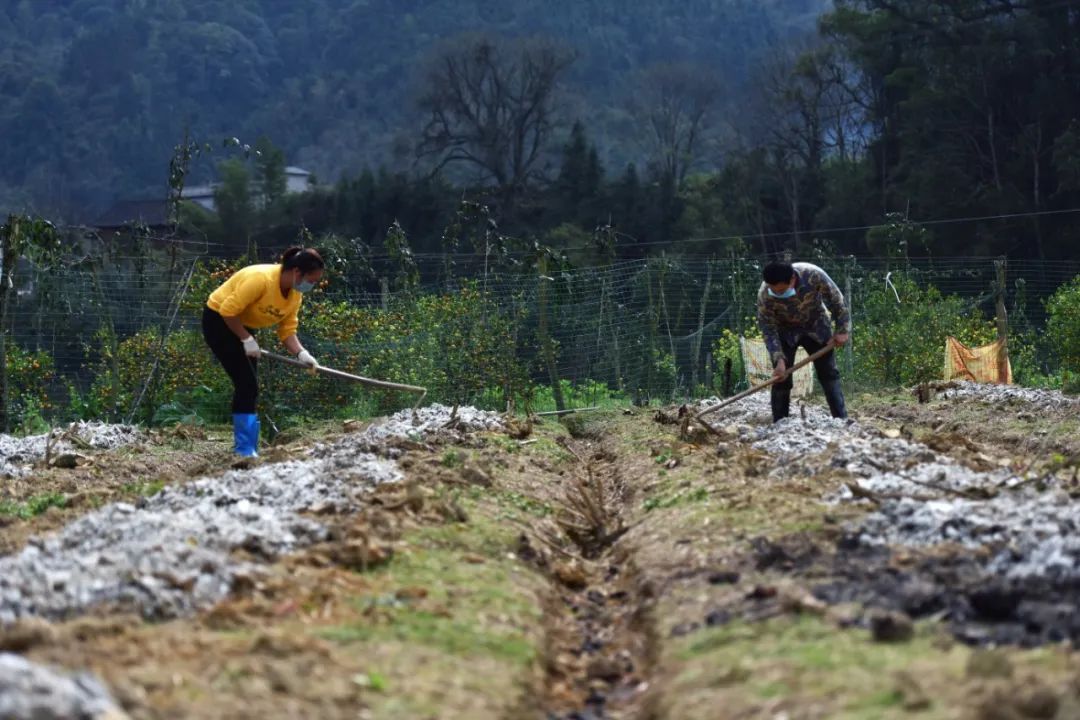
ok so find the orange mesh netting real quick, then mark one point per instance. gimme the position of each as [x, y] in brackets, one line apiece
[986, 364]
[759, 368]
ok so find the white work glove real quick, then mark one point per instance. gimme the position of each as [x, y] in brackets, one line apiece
[305, 357]
[251, 348]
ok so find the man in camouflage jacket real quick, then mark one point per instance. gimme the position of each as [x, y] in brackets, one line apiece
[791, 312]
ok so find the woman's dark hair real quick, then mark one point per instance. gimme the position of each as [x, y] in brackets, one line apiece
[777, 272]
[307, 259]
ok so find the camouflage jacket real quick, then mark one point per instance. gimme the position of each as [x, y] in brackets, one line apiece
[804, 314]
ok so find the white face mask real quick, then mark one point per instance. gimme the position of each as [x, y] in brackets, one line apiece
[302, 285]
[789, 293]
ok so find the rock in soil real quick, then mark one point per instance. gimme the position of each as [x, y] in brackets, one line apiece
[34, 692]
[570, 574]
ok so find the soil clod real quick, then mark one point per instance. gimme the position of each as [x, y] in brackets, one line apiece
[886, 626]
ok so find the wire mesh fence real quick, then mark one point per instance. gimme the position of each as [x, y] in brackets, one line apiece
[119, 334]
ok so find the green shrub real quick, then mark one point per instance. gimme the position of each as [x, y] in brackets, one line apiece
[29, 374]
[1027, 357]
[727, 347]
[457, 345]
[587, 393]
[1063, 332]
[187, 375]
[193, 407]
[903, 343]
[665, 375]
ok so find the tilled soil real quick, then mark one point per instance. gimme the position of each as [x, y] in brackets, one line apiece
[19, 455]
[989, 548]
[902, 533]
[188, 547]
[89, 477]
[621, 565]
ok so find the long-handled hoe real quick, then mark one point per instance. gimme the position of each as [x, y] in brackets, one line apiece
[829, 346]
[342, 375]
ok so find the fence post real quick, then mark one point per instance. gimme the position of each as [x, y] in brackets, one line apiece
[547, 349]
[1002, 318]
[849, 353]
[650, 357]
[384, 287]
[8, 258]
[728, 389]
[696, 352]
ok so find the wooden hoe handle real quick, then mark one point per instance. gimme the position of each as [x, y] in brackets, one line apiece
[341, 375]
[829, 346]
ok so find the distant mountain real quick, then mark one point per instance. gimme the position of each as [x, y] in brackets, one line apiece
[94, 93]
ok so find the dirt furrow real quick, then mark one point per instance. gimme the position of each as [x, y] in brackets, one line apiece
[601, 642]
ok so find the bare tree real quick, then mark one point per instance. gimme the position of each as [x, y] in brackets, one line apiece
[675, 100]
[490, 105]
[808, 114]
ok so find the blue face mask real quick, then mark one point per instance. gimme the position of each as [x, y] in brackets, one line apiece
[304, 286]
[789, 293]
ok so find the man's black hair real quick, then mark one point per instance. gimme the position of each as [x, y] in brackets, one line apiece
[777, 272]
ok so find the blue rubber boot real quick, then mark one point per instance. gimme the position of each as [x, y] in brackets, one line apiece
[246, 434]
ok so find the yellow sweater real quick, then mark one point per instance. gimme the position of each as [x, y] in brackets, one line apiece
[253, 294]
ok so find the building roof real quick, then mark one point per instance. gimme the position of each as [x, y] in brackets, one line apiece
[293, 170]
[152, 213]
[198, 191]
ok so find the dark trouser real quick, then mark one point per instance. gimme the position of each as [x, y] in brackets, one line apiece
[827, 374]
[242, 370]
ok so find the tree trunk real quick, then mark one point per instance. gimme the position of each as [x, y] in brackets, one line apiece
[793, 208]
[993, 149]
[1036, 191]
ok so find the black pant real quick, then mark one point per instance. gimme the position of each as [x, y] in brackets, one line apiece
[827, 374]
[242, 370]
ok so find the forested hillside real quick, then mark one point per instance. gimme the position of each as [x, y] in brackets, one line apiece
[94, 93]
[706, 126]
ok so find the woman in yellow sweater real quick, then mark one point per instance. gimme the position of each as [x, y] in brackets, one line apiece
[257, 296]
